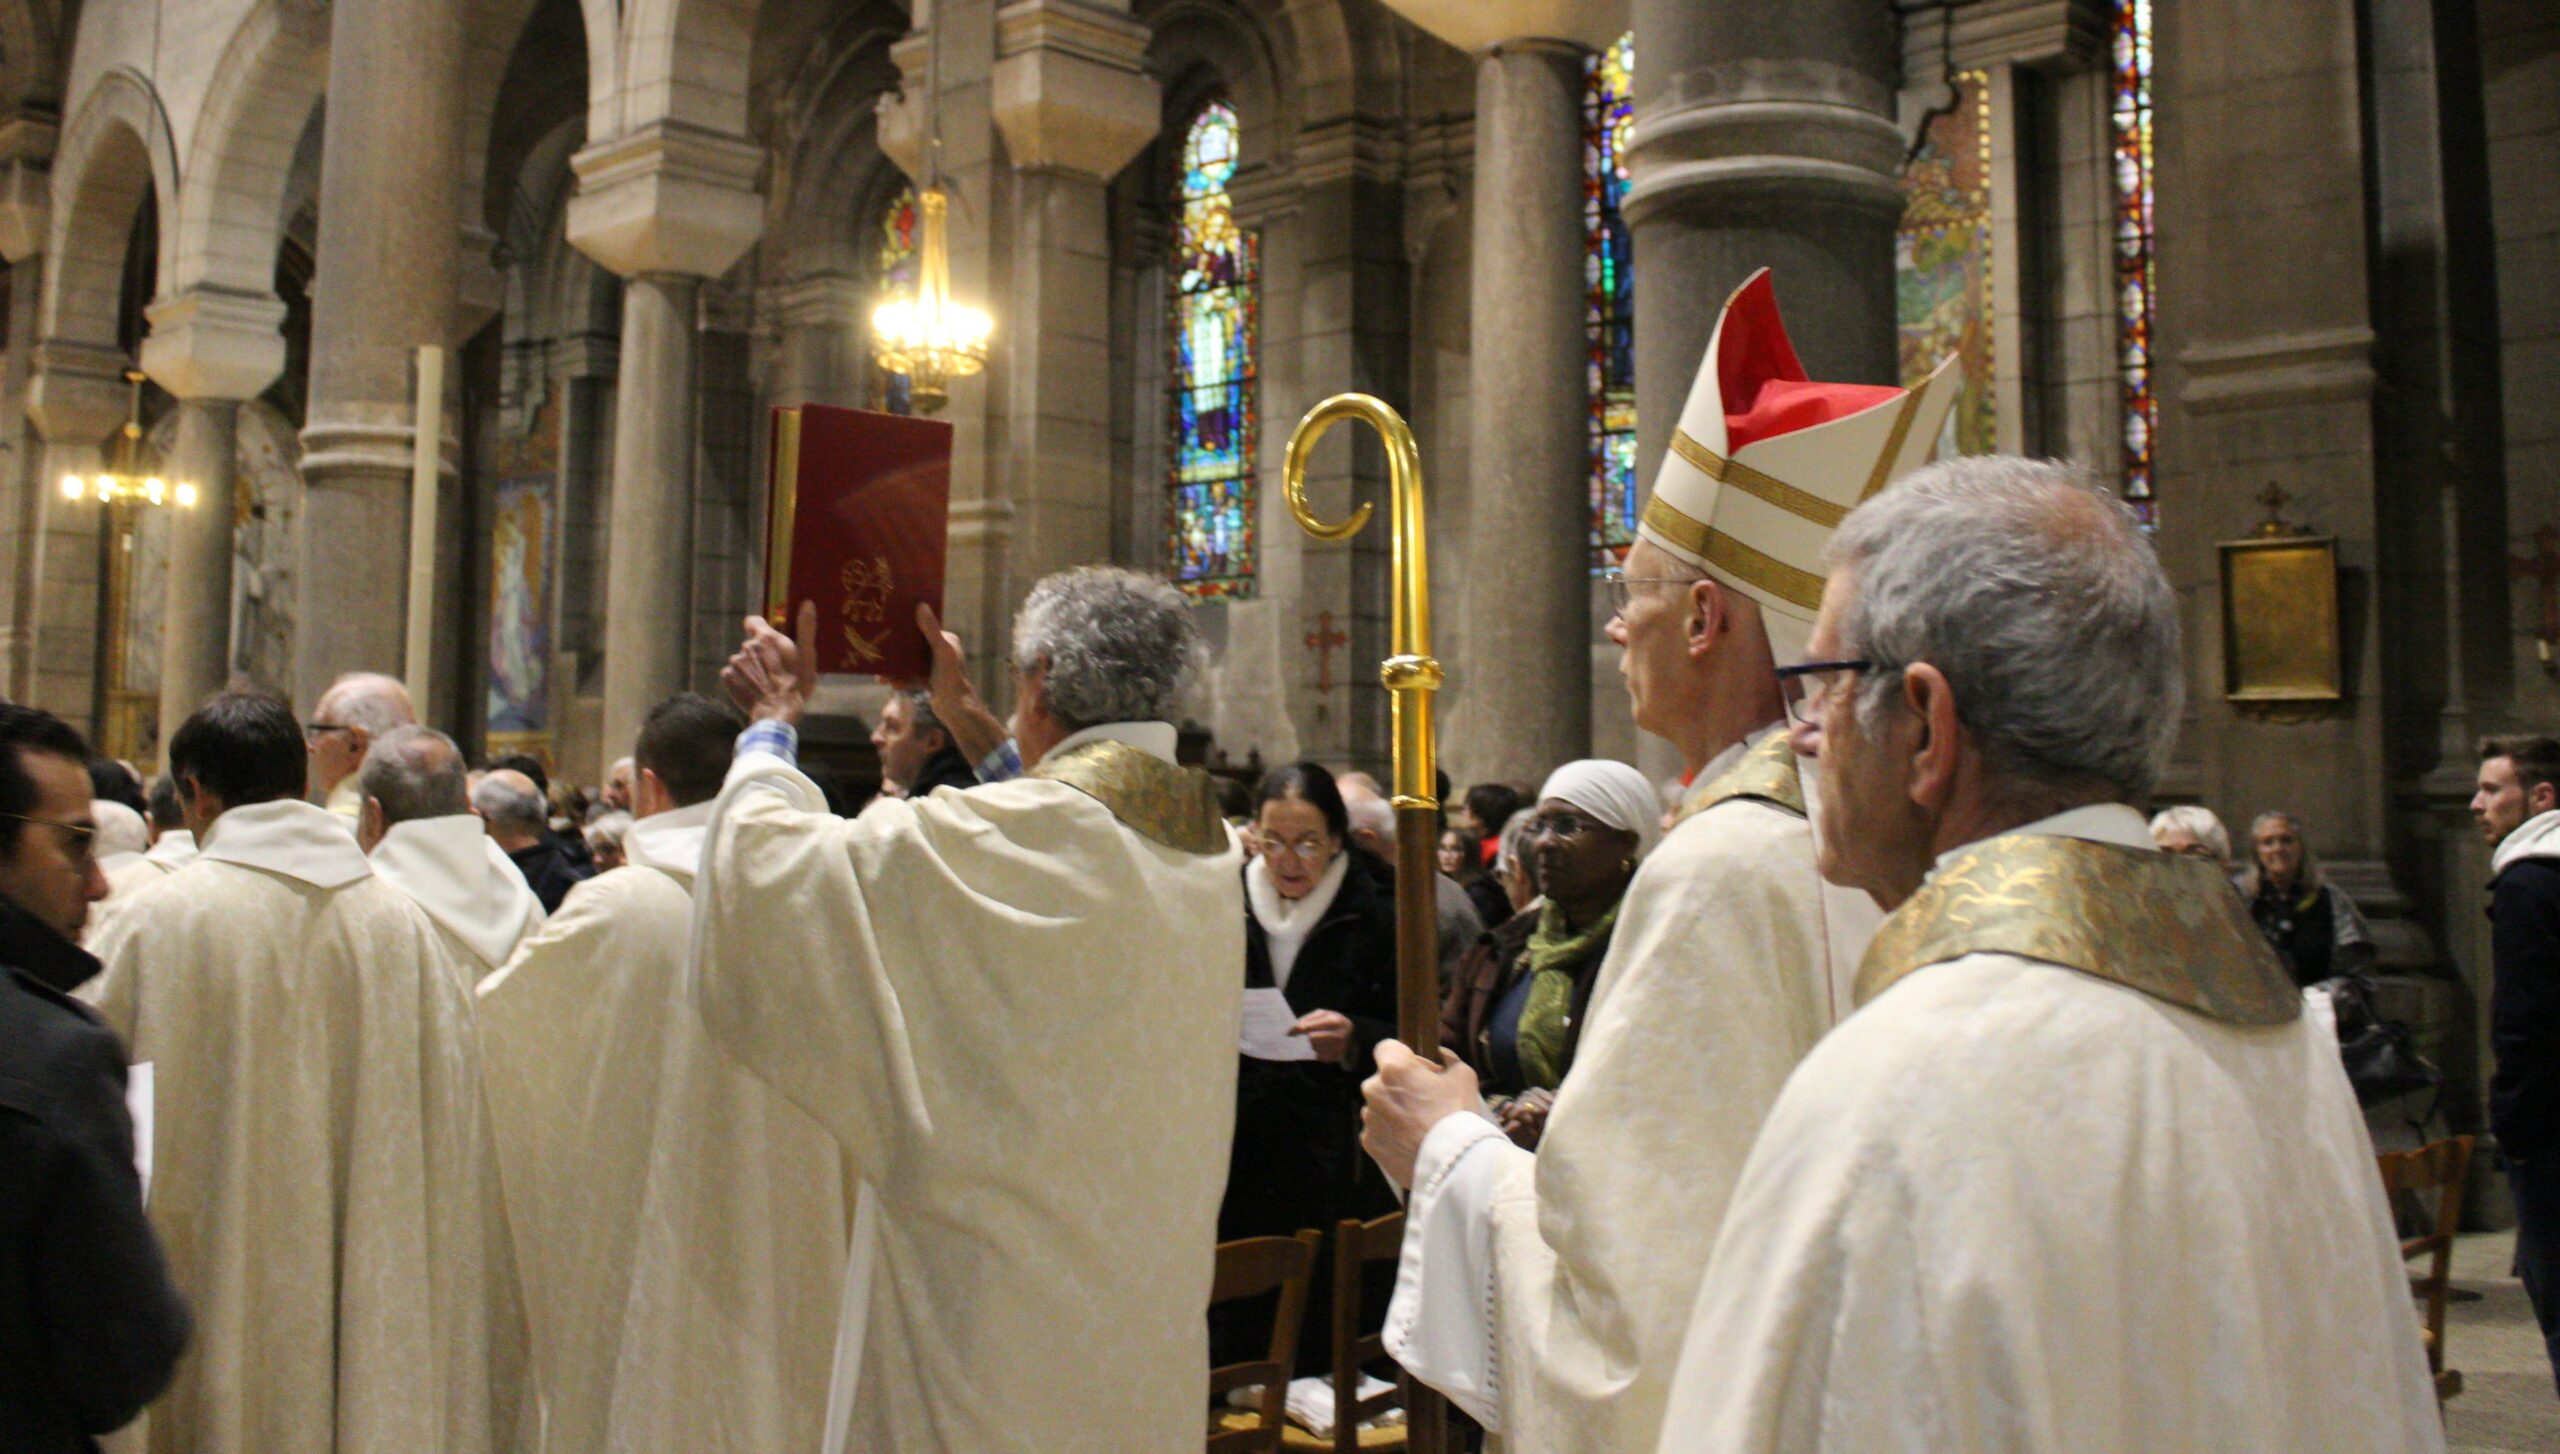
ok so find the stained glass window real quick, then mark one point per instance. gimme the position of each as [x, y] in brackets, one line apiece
[1609, 313]
[1216, 291]
[900, 231]
[2135, 299]
[1942, 257]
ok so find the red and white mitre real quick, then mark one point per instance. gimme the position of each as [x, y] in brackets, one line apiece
[1766, 463]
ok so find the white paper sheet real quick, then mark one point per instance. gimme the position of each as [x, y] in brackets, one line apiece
[137, 1101]
[1267, 1018]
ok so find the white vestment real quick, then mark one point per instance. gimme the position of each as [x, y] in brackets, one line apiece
[680, 1229]
[174, 849]
[321, 1175]
[127, 874]
[453, 869]
[2012, 1206]
[1016, 1009]
[1547, 1293]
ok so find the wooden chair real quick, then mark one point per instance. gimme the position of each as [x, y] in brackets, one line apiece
[2440, 1167]
[1356, 1245]
[1247, 1268]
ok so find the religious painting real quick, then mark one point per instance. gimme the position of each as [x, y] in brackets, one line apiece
[521, 521]
[1942, 256]
[901, 236]
[2129, 124]
[266, 511]
[1209, 524]
[2280, 639]
[1609, 307]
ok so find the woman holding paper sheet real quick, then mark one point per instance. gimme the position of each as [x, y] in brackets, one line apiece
[1320, 992]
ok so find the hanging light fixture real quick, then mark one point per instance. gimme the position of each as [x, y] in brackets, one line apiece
[927, 336]
[125, 484]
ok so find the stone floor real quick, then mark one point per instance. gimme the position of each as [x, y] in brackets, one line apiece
[2507, 1405]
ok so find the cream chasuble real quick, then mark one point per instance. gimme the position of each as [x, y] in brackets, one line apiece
[1016, 1009]
[454, 870]
[127, 874]
[679, 1228]
[321, 1174]
[1547, 1293]
[2116, 1207]
[174, 849]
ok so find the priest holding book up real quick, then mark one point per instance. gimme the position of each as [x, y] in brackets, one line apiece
[971, 992]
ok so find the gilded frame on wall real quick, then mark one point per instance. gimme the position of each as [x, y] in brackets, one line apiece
[2280, 637]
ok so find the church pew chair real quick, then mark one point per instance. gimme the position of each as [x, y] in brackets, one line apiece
[2438, 1167]
[1250, 1267]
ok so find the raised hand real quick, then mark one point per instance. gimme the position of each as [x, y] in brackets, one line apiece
[771, 675]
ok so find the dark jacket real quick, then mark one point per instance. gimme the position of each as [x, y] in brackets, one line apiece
[2524, 1007]
[1484, 978]
[550, 872]
[1493, 903]
[945, 769]
[90, 1325]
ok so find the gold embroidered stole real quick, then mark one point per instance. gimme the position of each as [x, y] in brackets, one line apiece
[2162, 923]
[1156, 800]
[1767, 772]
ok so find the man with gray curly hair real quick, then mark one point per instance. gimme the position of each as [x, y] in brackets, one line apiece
[959, 988]
[2080, 1173]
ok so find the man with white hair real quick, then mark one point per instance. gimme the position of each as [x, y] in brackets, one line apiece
[1373, 826]
[519, 822]
[357, 708]
[1547, 1293]
[420, 832]
[616, 795]
[2081, 1173]
[121, 843]
[962, 988]
[679, 1227]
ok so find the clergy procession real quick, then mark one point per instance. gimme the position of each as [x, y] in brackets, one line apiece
[1877, 1084]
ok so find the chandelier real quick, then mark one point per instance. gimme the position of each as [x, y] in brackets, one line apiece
[927, 336]
[125, 484]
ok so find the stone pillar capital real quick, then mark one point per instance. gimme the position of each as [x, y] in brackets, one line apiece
[76, 392]
[26, 184]
[670, 198]
[213, 343]
[1070, 91]
[1476, 26]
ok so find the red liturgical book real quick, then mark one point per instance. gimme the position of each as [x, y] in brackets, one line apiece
[859, 516]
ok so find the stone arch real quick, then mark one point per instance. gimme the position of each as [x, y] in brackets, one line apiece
[829, 172]
[116, 148]
[686, 61]
[231, 215]
[496, 67]
[30, 53]
[1199, 47]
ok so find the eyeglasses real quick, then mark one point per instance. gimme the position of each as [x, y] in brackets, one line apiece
[1618, 581]
[318, 729]
[1805, 687]
[1309, 848]
[1564, 825]
[83, 847]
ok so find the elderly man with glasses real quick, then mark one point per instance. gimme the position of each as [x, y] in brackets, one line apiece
[1547, 1293]
[357, 709]
[2080, 1173]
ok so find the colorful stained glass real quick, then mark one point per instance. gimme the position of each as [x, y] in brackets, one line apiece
[1609, 313]
[1943, 259]
[1216, 272]
[901, 230]
[2136, 300]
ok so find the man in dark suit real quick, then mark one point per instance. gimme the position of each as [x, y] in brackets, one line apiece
[2518, 809]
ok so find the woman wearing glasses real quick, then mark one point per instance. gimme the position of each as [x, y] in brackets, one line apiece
[1320, 933]
[1516, 1007]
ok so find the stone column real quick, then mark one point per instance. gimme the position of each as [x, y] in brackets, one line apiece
[210, 350]
[1526, 449]
[26, 211]
[665, 207]
[386, 284]
[76, 398]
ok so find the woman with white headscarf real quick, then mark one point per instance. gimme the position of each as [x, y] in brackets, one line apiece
[1515, 1007]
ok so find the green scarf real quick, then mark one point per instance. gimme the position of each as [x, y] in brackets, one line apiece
[1555, 951]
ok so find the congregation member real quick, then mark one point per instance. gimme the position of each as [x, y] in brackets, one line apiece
[2517, 806]
[357, 708]
[615, 795]
[1486, 807]
[172, 844]
[1516, 1007]
[320, 1160]
[2193, 831]
[91, 1326]
[517, 817]
[2081, 1173]
[1320, 932]
[2316, 929]
[120, 840]
[916, 753]
[558, 800]
[974, 993]
[1511, 866]
[679, 1228]
[418, 829]
[1546, 1294]
[1373, 831]
[605, 837]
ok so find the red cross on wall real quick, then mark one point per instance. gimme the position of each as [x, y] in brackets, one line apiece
[1322, 641]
